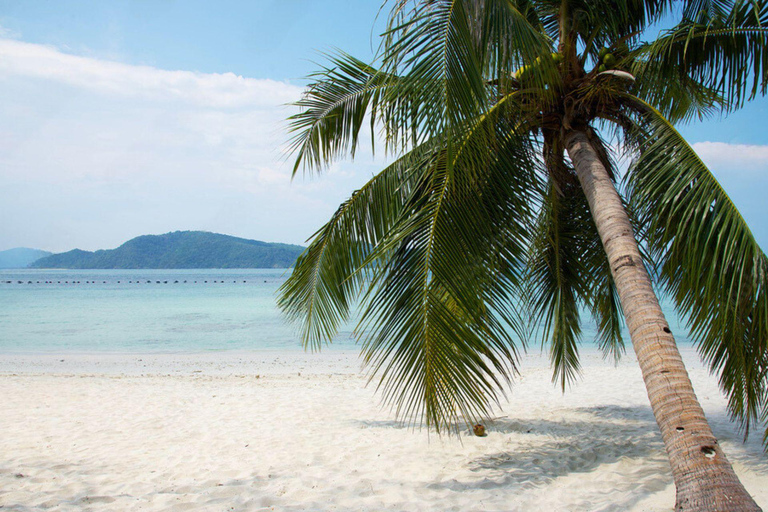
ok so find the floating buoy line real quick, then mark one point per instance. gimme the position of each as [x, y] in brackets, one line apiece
[132, 281]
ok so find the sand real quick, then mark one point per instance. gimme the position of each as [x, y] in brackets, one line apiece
[270, 431]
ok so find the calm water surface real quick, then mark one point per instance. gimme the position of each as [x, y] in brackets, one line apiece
[143, 310]
[155, 311]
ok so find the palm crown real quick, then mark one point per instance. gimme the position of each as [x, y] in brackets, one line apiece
[480, 230]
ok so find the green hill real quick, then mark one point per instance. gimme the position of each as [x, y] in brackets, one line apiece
[180, 249]
[20, 257]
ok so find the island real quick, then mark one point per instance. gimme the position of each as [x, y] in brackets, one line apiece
[21, 257]
[179, 249]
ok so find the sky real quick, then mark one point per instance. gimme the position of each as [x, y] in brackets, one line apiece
[134, 117]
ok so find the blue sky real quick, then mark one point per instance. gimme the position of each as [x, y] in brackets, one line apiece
[124, 118]
[259, 38]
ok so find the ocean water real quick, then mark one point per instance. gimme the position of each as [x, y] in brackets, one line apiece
[144, 311]
[138, 311]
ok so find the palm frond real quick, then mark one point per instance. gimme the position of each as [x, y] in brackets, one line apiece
[449, 51]
[438, 325]
[703, 10]
[430, 45]
[720, 49]
[604, 305]
[333, 110]
[606, 21]
[510, 34]
[708, 260]
[433, 76]
[672, 91]
[568, 267]
[439, 257]
[554, 280]
[329, 275]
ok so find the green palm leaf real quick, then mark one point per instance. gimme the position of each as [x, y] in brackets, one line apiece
[438, 321]
[326, 279]
[719, 50]
[333, 110]
[555, 287]
[444, 57]
[442, 254]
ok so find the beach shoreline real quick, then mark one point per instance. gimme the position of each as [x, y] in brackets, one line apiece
[330, 359]
[290, 430]
[213, 362]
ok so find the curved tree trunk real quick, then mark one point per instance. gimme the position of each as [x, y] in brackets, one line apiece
[703, 476]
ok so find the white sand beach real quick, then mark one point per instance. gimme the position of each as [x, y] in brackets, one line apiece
[275, 431]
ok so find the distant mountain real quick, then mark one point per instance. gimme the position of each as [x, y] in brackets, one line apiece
[180, 249]
[20, 257]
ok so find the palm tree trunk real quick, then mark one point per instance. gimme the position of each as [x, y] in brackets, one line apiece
[703, 476]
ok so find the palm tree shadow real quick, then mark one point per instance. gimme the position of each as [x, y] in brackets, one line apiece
[542, 450]
[396, 424]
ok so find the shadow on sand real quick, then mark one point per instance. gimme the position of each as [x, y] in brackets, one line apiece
[539, 450]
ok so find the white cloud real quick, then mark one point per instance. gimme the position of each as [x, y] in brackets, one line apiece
[93, 152]
[721, 156]
[225, 90]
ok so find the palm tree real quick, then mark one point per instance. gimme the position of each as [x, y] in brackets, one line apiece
[504, 208]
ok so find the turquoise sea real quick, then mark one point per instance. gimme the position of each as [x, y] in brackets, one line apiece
[137, 311]
[143, 311]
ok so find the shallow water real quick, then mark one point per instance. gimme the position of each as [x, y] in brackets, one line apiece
[138, 311]
[143, 311]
